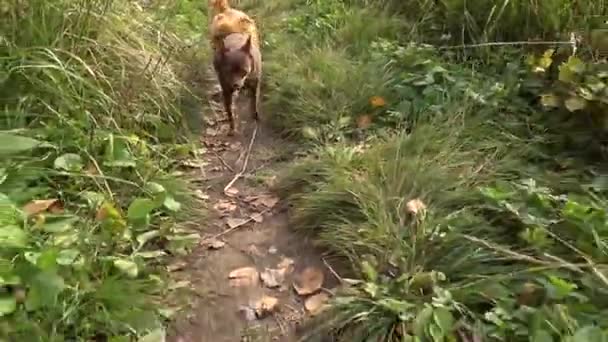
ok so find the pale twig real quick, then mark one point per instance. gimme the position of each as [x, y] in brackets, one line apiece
[223, 161]
[244, 168]
[332, 271]
[467, 46]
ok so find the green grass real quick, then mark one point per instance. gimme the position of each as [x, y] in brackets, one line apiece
[90, 95]
[510, 246]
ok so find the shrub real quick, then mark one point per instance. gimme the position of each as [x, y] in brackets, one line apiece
[88, 207]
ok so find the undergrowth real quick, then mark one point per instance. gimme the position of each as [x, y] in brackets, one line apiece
[466, 187]
[91, 131]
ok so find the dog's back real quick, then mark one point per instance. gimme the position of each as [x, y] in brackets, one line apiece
[228, 20]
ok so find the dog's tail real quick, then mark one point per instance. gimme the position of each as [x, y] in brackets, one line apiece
[220, 6]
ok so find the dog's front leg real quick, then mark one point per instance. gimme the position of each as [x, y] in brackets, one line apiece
[228, 94]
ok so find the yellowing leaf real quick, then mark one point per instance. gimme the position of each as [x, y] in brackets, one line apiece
[574, 103]
[309, 281]
[549, 100]
[377, 101]
[245, 276]
[127, 267]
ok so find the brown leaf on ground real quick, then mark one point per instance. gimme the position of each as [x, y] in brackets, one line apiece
[244, 276]
[286, 263]
[213, 243]
[231, 192]
[265, 306]
[37, 206]
[233, 222]
[364, 121]
[315, 304]
[309, 281]
[267, 201]
[415, 206]
[273, 278]
[224, 207]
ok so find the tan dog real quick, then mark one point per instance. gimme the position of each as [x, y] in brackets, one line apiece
[237, 59]
[227, 20]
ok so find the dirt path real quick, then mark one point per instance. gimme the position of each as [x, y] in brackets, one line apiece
[246, 231]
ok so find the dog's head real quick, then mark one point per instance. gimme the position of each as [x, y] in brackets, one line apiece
[234, 64]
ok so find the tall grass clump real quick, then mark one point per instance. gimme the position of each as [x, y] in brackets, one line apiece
[452, 240]
[90, 132]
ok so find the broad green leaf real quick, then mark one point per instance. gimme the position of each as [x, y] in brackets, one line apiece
[12, 236]
[541, 336]
[128, 267]
[8, 304]
[560, 288]
[67, 257]
[9, 213]
[13, 144]
[68, 162]
[575, 103]
[155, 188]
[94, 199]
[60, 226]
[436, 333]
[589, 334]
[47, 260]
[117, 152]
[369, 271]
[158, 335]
[422, 321]
[65, 239]
[171, 204]
[444, 319]
[140, 208]
[44, 289]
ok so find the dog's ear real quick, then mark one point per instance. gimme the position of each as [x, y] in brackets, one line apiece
[247, 46]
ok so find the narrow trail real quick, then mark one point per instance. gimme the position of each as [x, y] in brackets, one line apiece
[246, 229]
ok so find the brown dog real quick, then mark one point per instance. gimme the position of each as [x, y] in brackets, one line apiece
[237, 59]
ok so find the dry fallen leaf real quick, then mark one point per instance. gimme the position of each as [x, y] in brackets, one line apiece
[231, 192]
[213, 243]
[91, 170]
[244, 276]
[315, 304]
[364, 121]
[235, 222]
[273, 278]
[201, 195]
[415, 206]
[309, 281]
[37, 206]
[224, 207]
[267, 201]
[265, 305]
[286, 264]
